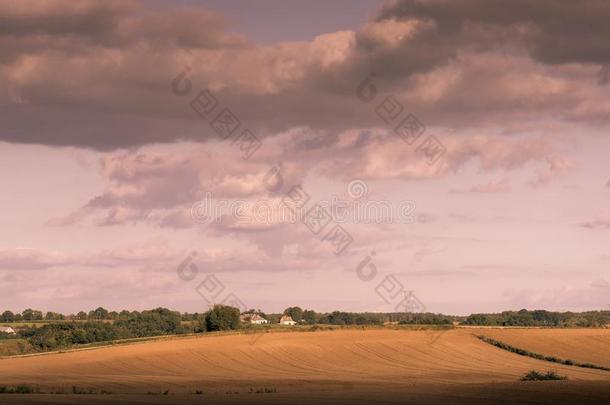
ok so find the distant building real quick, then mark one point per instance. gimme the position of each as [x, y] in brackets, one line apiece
[258, 320]
[7, 329]
[255, 319]
[287, 320]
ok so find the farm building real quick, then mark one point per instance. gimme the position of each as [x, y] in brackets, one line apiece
[287, 320]
[258, 320]
[7, 329]
[253, 319]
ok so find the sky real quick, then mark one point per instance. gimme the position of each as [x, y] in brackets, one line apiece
[446, 156]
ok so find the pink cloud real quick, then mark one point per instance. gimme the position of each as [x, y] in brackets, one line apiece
[151, 252]
[388, 156]
[160, 186]
[557, 167]
[602, 221]
[492, 187]
[31, 259]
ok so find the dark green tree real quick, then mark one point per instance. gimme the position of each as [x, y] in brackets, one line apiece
[7, 316]
[309, 316]
[98, 314]
[53, 316]
[31, 315]
[222, 317]
[296, 313]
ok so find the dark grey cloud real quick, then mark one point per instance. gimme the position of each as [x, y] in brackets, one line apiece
[114, 23]
[98, 74]
[558, 31]
[90, 18]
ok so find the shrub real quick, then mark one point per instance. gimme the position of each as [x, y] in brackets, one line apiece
[537, 376]
[5, 336]
[20, 389]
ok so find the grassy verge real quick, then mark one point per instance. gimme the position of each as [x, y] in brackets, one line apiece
[539, 356]
[11, 347]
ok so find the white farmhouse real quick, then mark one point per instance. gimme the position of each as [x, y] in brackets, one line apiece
[255, 319]
[287, 320]
[7, 329]
[258, 320]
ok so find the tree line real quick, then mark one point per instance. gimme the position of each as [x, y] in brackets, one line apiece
[97, 314]
[299, 315]
[310, 317]
[590, 319]
[101, 325]
[56, 335]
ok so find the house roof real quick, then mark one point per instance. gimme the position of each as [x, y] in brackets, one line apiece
[6, 329]
[286, 318]
[257, 317]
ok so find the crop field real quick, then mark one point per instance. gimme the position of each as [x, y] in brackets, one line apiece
[370, 365]
[581, 345]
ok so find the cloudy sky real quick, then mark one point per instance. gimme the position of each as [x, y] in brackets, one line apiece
[455, 149]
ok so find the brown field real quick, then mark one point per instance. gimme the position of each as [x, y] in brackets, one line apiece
[341, 366]
[581, 345]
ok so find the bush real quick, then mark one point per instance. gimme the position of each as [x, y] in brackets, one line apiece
[537, 376]
[20, 389]
[5, 336]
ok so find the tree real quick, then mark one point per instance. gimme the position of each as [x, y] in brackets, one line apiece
[31, 315]
[309, 316]
[7, 316]
[53, 316]
[81, 316]
[296, 313]
[222, 317]
[158, 321]
[99, 313]
[341, 318]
